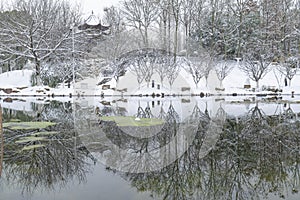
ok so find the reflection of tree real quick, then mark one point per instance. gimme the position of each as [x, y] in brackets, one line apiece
[256, 122]
[203, 122]
[172, 116]
[120, 111]
[55, 162]
[148, 111]
[55, 111]
[147, 147]
[254, 157]
[143, 145]
[107, 110]
[289, 113]
[44, 167]
[9, 114]
[141, 113]
[162, 113]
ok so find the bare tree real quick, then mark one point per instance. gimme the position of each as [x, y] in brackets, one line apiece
[148, 66]
[162, 70]
[199, 67]
[115, 45]
[256, 66]
[176, 7]
[188, 10]
[141, 14]
[223, 68]
[207, 68]
[114, 17]
[173, 72]
[289, 68]
[196, 69]
[139, 71]
[163, 17]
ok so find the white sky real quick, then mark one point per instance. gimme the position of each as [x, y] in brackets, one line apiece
[96, 5]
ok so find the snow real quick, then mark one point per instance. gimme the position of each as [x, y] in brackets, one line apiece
[92, 20]
[19, 82]
[234, 106]
[15, 79]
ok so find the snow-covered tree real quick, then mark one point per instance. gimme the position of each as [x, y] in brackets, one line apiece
[114, 18]
[208, 66]
[162, 70]
[223, 68]
[139, 71]
[289, 68]
[173, 72]
[115, 46]
[148, 64]
[143, 68]
[37, 30]
[188, 10]
[164, 8]
[256, 66]
[141, 14]
[196, 67]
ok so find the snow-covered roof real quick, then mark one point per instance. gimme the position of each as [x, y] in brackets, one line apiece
[92, 20]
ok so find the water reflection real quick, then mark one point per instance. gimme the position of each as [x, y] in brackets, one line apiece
[256, 155]
[53, 157]
[129, 147]
[249, 156]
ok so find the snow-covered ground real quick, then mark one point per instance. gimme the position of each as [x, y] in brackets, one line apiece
[15, 79]
[25, 95]
[19, 82]
[233, 105]
[235, 81]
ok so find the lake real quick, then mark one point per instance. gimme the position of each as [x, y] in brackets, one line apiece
[218, 147]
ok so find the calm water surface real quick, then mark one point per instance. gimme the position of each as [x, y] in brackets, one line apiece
[192, 148]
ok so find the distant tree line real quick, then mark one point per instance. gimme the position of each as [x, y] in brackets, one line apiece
[264, 34]
[225, 27]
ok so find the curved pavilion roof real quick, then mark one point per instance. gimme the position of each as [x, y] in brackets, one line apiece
[93, 22]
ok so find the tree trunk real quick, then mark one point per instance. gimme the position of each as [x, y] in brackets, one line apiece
[176, 38]
[239, 35]
[165, 31]
[38, 80]
[257, 85]
[169, 26]
[186, 41]
[146, 37]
